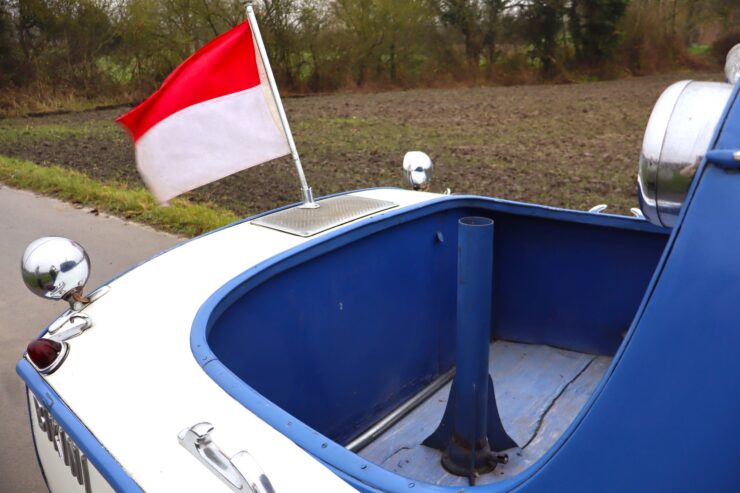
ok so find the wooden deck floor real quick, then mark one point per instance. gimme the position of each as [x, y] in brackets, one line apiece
[539, 390]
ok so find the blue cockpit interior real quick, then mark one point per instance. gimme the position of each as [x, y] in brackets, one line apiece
[345, 330]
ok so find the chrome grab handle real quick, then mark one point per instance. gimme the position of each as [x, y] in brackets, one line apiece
[598, 209]
[197, 440]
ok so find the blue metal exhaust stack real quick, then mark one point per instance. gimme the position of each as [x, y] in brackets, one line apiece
[471, 427]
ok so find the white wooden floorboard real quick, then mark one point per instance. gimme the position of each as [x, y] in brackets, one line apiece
[539, 390]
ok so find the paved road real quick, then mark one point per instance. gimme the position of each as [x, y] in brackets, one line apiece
[112, 244]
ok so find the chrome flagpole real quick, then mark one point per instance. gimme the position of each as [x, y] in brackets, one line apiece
[308, 202]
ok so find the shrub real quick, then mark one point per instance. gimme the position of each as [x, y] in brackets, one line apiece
[723, 45]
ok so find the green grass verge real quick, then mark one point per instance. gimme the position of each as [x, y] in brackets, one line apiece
[10, 133]
[181, 217]
[699, 49]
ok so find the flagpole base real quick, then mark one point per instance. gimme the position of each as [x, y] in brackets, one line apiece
[308, 202]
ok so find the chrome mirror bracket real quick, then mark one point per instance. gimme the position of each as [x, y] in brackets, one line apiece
[73, 321]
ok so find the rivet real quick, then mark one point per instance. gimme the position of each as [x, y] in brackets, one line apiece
[411, 485]
[324, 445]
[440, 237]
[364, 466]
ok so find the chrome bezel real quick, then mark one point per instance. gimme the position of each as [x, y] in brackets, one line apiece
[676, 139]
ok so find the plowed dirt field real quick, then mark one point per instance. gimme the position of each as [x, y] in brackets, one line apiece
[564, 145]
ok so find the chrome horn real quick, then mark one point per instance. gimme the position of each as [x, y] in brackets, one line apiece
[56, 268]
[417, 167]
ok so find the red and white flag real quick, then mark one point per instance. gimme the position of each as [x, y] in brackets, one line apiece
[213, 116]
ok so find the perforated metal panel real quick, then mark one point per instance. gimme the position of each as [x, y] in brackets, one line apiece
[332, 212]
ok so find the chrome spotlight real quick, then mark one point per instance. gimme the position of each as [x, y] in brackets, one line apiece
[732, 65]
[678, 135]
[417, 167]
[56, 268]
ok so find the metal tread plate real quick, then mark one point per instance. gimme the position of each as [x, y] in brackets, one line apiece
[333, 212]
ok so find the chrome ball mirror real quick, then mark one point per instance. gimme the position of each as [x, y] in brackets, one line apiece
[678, 135]
[417, 168]
[56, 268]
[732, 65]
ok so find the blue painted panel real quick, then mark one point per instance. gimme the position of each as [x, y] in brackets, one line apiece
[570, 285]
[729, 137]
[339, 334]
[373, 331]
[670, 409]
[665, 417]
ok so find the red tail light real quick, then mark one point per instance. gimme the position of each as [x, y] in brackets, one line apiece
[46, 354]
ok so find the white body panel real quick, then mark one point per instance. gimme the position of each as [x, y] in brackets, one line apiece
[134, 382]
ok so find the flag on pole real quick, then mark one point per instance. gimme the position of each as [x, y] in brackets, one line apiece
[213, 116]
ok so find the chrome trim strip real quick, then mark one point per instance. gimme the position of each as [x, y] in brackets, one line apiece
[399, 413]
